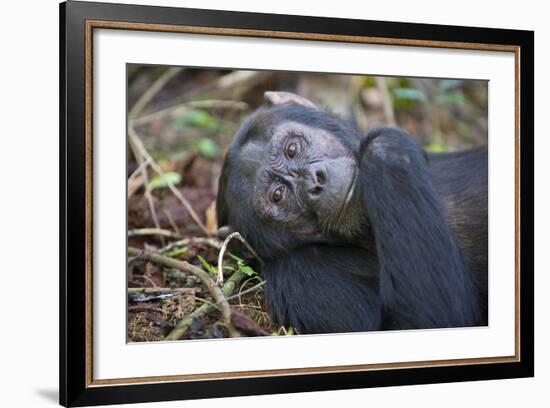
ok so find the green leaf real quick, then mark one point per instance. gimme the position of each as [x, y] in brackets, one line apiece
[235, 257]
[436, 147]
[247, 270]
[207, 266]
[196, 118]
[410, 94]
[164, 180]
[208, 148]
[451, 99]
[176, 253]
[403, 82]
[243, 267]
[447, 84]
[369, 82]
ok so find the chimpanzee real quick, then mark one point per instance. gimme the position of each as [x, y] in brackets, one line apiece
[356, 231]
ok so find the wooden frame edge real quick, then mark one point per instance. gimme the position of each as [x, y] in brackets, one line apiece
[517, 197]
[89, 206]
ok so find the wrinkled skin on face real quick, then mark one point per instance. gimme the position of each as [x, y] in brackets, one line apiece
[290, 176]
[305, 180]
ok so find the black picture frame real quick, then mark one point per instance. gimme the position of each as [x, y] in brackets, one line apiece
[76, 386]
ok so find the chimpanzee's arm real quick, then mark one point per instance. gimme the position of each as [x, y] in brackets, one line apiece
[324, 289]
[424, 282]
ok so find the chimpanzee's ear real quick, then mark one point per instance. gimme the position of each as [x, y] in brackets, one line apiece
[282, 98]
[224, 231]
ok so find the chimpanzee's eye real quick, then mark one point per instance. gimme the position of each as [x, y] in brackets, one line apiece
[278, 194]
[291, 149]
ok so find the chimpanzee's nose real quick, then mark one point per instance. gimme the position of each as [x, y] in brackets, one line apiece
[316, 178]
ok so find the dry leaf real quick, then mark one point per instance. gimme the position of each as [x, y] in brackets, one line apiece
[211, 220]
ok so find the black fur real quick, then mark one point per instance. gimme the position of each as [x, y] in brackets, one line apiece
[324, 289]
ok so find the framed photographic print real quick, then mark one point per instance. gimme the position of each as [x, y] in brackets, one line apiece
[255, 203]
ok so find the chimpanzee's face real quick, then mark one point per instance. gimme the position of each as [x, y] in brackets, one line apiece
[304, 177]
[289, 178]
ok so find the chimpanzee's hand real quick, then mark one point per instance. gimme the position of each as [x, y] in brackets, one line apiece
[391, 148]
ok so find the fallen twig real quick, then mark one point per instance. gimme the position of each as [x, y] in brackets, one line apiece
[152, 231]
[141, 298]
[244, 292]
[152, 291]
[137, 179]
[219, 279]
[136, 172]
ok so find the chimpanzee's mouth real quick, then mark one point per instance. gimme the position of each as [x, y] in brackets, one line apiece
[349, 195]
